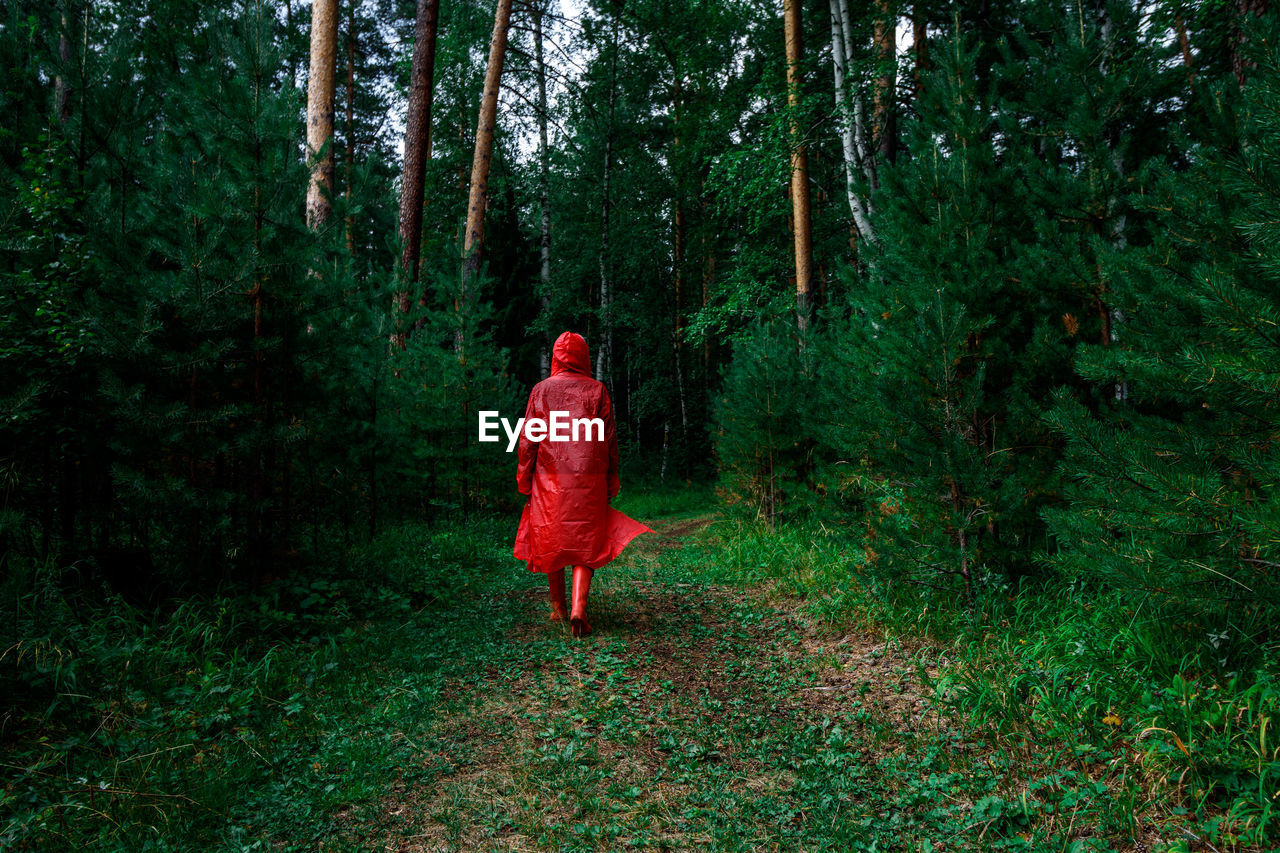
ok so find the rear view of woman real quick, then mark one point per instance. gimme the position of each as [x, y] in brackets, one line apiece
[568, 521]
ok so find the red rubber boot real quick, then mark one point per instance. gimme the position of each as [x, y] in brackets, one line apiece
[581, 586]
[555, 580]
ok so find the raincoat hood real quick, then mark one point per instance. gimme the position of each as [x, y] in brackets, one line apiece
[570, 354]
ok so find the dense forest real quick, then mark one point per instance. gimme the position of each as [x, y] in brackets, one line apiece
[950, 322]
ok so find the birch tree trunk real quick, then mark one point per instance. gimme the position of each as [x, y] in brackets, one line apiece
[1112, 317]
[320, 87]
[848, 146]
[860, 145]
[799, 170]
[417, 132]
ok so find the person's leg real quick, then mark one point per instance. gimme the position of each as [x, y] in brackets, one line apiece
[581, 586]
[555, 580]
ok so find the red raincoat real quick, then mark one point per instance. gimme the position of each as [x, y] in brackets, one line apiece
[568, 520]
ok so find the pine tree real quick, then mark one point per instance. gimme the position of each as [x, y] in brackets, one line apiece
[992, 226]
[762, 424]
[201, 321]
[910, 373]
[1174, 502]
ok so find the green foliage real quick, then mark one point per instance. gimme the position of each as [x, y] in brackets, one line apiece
[43, 334]
[1039, 676]
[231, 720]
[1174, 499]
[196, 387]
[438, 386]
[762, 423]
[645, 499]
[204, 345]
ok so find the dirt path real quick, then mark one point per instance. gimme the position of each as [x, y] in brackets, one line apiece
[696, 717]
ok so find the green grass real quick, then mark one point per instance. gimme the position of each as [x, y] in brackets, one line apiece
[1069, 683]
[742, 691]
[656, 500]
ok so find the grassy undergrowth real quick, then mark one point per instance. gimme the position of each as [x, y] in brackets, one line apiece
[1045, 678]
[421, 700]
[252, 720]
[230, 722]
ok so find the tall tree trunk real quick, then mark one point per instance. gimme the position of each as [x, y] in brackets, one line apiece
[288, 28]
[1245, 10]
[799, 170]
[919, 45]
[350, 153]
[680, 238]
[604, 355]
[859, 112]
[884, 129]
[1184, 43]
[61, 88]
[1113, 317]
[708, 278]
[417, 134]
[259, 519]
[479, 194]
[679, 250]
[544, 186]
[320, 89]
[848, 145]
[604, 351]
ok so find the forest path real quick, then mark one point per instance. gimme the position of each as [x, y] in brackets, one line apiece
[696, 717]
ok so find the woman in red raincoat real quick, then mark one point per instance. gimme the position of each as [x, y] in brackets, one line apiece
[568, 520]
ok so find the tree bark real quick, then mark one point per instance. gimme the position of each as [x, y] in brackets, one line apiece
[61, 88]
[421, 80]
[919, 45]
[1114, 318]
[799, 170]
[349, 155]
[288, 28]
[708, 278]
[884, 130]
[678, 260]
[320, 90]
[1184, 43]
[479, 194]
[604, 352]
[416, 153]
[1245, 9]
[848, 143]
[681, 221]
[544, 185]
[860, 145]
